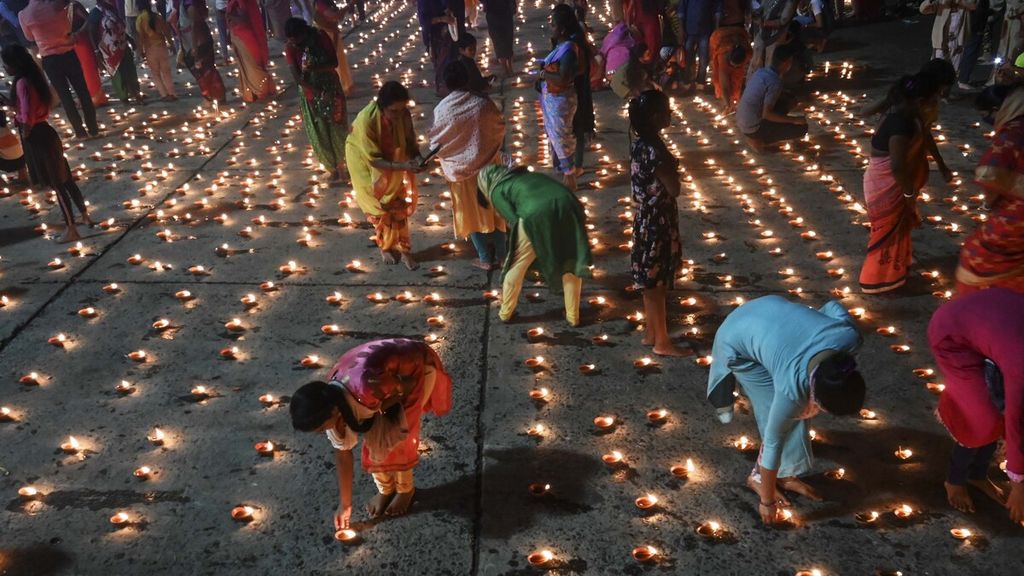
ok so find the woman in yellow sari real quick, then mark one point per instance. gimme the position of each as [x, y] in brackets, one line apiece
[383, 159]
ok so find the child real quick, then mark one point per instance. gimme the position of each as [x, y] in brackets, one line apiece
[12, 157]
[379, 390]
[467, 56]
[154, 36]
[32, 98]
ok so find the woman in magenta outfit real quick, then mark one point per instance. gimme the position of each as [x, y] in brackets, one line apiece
[978, 343]
[380, 391]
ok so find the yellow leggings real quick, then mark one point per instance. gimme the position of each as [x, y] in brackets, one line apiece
[390, 482]
[523, 256]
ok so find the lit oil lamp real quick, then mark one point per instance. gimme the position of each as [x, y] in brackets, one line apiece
[200, 392]
[28, 492]
[604, 422]
[268, 286]
[143, 472]
[539, 489]
[824, 256]
[710, 530]
[587, 368]
[866, 414]
[433, 298]
[812, 572]
[120, 519]
[268, 400]
[704, 360]
[900, 348]
[645, 553]
[124, 387]
[111, 288]
[31, 379]
[138, 356]
[541, 394]
[6, 414]
[924, 372]
[197, 271]
[599, 340]
[857, 312]
[809, 235]
[535, 362]
[60, 340]
[405, 297]
[836, 474]
[435, 321]
[347, 536]
[903, 511]
[265, 448]
[335, 298]
[743, 444]
[156, 437]
[646, 502]
[492, 295]
[866, 518]
[635, 317]
[536, 430]
[88, 312]
[354, 266]
[836, 272]
[290, 268]
[540, 558]
[904, 453]
[613, 458]
[183, 295]
[935, 387]
[249, 300]
[310, 361]
[55, 264]
[657, 416]
[683, 470]
[600, 301]
[234, 325]
[887, 331]
[961, 533]
[535, 332]
[645, 363]
[377, 298]
[330, 329]
[72, 446]
[230, 353]
[243, 513]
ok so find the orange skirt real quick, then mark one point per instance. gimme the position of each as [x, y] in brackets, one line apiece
[890, 252]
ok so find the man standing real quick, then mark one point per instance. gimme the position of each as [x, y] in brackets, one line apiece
[698, 21]
[46, 23]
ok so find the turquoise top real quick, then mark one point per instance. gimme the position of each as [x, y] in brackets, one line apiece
[782, 337]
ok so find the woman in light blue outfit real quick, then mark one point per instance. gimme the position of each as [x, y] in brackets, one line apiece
[558, 74]
[791, 361]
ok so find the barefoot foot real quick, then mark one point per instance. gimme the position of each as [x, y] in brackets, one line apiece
[70, 236]
[409, 262]
[669, 349]
[990, 489]
[959, 497]
[755, 486]
[400, 505]
[797, 485]
[378, 505]
[388, 257]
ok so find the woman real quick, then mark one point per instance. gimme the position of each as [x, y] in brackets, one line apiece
[383, 160]
[107, 27]
[791, 362]
[500, 16]
[153, 36]
[643, 15]
[467, 134]
[994, 254]
[547, 226]
[249, 39]
[86, 52]
[1011, 38]
[558, 75]
[32, 99]
[977, 341]
[442, 22]
[897, 171]
[197, 51]
[951, 28]
[327, 18]
[657, 253]
[313, 61]
[379, 390]
[583, 121]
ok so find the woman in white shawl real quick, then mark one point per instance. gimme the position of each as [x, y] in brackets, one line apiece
[951, 29]
[467, 135]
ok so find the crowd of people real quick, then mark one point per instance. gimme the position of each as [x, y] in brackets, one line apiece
[521, 219]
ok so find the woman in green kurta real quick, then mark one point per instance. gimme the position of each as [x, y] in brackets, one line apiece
[546, 223]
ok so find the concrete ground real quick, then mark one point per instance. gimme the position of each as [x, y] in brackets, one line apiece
[474, 512]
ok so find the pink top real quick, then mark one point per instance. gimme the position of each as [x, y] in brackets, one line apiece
[46, 23]
[963, 333]
[31, 109]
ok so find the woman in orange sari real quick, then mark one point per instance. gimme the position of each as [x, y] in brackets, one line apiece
[249, 39]
[994, 254]
[897, 171]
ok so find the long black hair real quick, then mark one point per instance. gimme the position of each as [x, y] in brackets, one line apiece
[392, 92]
[911, 88]
[314, 403]
[563, 17]
[22, 65]
[147, 7]
[643, 111]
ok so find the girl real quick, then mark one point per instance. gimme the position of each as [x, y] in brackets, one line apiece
[12, 156]
[107, 26]
[154, 36]
[897, 171]
[379, 390]
[657, 252]
[44, 153]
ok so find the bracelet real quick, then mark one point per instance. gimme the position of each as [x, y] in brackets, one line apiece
[910, 195]
[768, 505]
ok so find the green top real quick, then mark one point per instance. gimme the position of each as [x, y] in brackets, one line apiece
[552, 218]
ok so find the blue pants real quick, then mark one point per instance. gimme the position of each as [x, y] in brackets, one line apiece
[697, 47]
[490, 246]
[757, 385]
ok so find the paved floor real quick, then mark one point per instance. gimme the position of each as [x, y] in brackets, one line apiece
[474, 511]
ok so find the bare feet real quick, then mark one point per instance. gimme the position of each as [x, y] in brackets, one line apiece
[409, 262]
[990, 489]
[70, 236]
[797, 485]
[779, 496]
[388, 257]
[400, 505]
[669, 349]
[959, 497]
[378, 505]
[87, 220]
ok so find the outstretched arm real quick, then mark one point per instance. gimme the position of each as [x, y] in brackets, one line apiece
[343, 467]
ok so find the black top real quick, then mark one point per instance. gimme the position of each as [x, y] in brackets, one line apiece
[894, 124]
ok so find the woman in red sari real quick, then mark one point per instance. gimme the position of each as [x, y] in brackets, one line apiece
[197, 49]
[994, 254]
[249, 39]
[897, 171]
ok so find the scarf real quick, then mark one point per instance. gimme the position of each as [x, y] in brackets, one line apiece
[468, 132]
[490, 177]
[375, 188]
[1012, 107]
[113, 41]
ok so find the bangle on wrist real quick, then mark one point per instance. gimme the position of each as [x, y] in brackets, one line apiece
[909, 195]
[768, 505]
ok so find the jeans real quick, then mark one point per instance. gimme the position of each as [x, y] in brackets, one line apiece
[490, 246]
[967, 464]
[697, 47]
[65, 73]
[222, 33]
